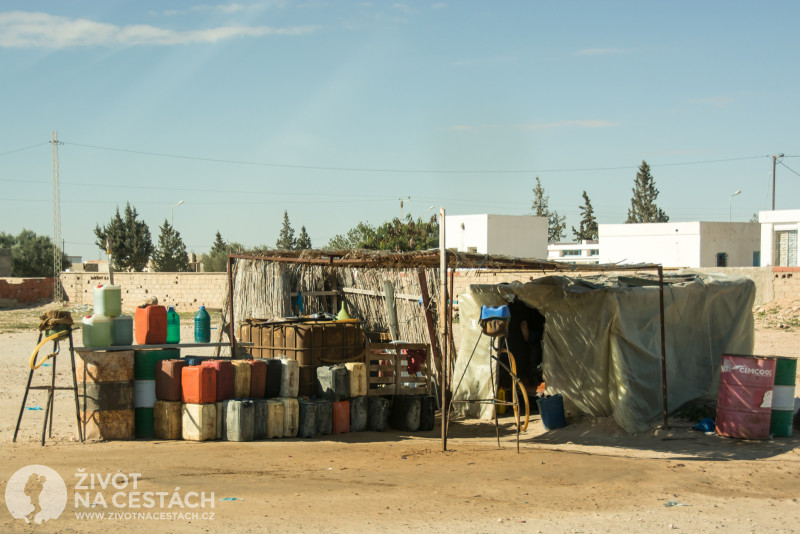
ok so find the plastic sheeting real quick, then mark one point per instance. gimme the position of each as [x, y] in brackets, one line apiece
[602, 341]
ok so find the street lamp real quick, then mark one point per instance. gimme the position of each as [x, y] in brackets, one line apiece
[172, 218]
[730, 205]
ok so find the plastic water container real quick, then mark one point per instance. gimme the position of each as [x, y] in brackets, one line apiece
[108, 300]
[358, 378]
[199, 422]
[202, 326]
[173, 326]
[260, 419]
[291, 416]
[290, 378]
[239, 419]
[96, 330]
[167, 418]
[551, 409]
[150, 325]
[122, 330]
[358, 414]
[275, 418]
[241, 379]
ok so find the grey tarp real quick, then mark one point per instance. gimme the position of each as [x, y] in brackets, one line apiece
[602, 341]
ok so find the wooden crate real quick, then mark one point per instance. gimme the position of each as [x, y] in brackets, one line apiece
[309, 342]
[387, 367]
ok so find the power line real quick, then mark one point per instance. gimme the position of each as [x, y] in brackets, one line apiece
[24, 148]
[399, 171]
[785, 165]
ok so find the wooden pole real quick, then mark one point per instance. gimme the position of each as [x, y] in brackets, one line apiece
[231, 325]
[443, 326]
[432, 337]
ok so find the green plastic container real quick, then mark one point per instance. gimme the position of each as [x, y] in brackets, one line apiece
[173, 326]
[108, 300]
[202, 326]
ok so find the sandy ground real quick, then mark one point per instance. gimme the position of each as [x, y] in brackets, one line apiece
[587, 477]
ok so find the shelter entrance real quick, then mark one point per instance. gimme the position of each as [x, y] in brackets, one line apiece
[524, 338]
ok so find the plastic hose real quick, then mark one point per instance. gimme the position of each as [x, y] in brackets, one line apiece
[55, 337]
[514, 377]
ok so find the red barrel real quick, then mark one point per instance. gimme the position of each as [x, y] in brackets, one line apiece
[744, 401]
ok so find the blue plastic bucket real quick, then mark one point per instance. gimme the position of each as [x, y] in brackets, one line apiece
[552, 411]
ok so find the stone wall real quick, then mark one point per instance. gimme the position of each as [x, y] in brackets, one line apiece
[16, 291]
[770, 284]
[185, 291]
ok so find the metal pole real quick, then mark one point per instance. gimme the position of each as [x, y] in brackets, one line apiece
[663, 342]
[443, 326]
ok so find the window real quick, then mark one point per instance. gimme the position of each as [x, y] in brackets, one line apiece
[570, 253]
[594, 252]
[722, 259]
[756, 258]
[786, 248]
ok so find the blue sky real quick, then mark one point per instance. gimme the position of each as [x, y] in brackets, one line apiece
[336, 110]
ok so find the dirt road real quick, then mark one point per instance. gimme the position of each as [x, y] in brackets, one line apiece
[587, 477]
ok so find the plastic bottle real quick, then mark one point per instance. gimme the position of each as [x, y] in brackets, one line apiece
[173, 326]
[202, 326]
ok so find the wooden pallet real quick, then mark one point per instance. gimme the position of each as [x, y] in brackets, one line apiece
[387, 367]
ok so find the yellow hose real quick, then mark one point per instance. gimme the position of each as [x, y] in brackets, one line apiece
[513, 364]
[58, 335]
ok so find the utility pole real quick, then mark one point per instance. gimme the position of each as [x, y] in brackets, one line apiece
[57, 293]
[774, 161]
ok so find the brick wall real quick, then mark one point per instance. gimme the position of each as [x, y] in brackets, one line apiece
[786, 283]
[16, 291]
[185, 291]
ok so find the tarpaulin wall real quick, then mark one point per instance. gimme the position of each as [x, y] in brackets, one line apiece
[602, 341]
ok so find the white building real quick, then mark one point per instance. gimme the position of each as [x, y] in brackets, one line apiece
[521, 236]
[682, 244]
[587, 252]
[779, 237]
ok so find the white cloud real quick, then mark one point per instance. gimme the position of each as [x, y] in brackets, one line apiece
[403, 8]
[718, 101]
[600, 51]
[225, 8]
[586, 124]
[41, 30]
[439, 5]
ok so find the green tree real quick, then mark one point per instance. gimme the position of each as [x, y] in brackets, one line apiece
[131, 245]
[170, 254]
[588, 225]
[217, 258]
[303, 240]
[643, 203]
[286, 239]
[405, 235]
[356, 237]
[556, 224]
[31, 254]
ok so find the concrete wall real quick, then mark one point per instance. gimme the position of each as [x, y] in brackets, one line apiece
[684, 244]
[185, 291]
[520, 236]
[738, 240]
[18, 291]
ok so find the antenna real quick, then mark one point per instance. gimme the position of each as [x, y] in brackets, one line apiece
[57, 292]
